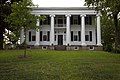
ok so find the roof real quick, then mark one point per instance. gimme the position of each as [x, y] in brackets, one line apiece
[63, 8]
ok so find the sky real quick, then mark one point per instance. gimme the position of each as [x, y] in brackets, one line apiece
[59, 3]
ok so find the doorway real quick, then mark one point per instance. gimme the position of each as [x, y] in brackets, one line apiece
[60, 39]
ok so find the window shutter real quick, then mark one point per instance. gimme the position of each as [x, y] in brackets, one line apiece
[71, 35]
[71, 20]
[40, 35]
[41, 22]
[64, 21]
[90, 32]
[79, 35]
[48, 35]
[79, 20]
[90, 18]
[86, 20]
[29, 36]
[48, 20]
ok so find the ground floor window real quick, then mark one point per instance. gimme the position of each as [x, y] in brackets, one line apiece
[44, 35]
[33, 38]
[88, 36]
[75, 35]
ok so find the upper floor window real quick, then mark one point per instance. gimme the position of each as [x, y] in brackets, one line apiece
[46, 21]
[88, 20]
[75, 19]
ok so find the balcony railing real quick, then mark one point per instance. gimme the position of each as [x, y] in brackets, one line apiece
[60, 25]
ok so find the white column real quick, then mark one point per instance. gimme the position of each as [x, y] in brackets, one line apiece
[68, 29]
[22, 36]
[83, 30]
[37, 33]
[52, 30]
[98, 31]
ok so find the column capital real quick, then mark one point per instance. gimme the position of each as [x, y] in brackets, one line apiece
[52, 15]
[68, 15]
[37, 14]
[98, 15]
[83, 15]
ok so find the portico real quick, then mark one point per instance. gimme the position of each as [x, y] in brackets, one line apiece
[66, 26]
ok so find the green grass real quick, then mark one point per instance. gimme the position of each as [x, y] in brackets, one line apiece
[59, 65]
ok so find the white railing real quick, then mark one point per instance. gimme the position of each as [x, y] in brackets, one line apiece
[60, 25]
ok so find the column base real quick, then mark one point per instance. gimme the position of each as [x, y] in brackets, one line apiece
[99, 44]
[36, 44]
[83, 44]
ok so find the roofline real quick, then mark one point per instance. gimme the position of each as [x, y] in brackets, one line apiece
[63, 8]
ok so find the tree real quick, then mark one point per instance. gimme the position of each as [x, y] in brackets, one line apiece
[5, 10]
[108, 32]
[111, 7]
[21, 18]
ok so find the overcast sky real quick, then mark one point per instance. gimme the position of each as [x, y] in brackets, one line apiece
[59, 3]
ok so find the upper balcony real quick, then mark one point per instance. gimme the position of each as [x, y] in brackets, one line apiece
[59, 26]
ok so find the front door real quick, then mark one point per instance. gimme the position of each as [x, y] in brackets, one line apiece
[60, 39]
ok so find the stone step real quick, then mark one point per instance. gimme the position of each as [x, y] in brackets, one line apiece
[60, 47]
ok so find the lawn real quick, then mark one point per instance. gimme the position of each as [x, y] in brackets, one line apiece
[59, 65]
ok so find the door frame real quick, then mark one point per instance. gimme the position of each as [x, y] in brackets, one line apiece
[60, 39]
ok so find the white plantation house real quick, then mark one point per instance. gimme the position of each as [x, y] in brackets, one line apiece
[70, 28]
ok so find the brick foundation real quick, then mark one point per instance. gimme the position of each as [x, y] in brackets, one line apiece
[64, 47]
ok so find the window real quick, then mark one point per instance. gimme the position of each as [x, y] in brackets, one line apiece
[29, 36]
[46, 21]
[91, 48]
[75, 19]
[33, 38]
[75, 37]
[44, 37]
[86, 37]
[88, 20]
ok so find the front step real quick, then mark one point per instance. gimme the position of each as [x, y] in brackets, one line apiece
[60, 47]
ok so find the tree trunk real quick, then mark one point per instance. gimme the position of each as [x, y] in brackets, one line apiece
[117, 33]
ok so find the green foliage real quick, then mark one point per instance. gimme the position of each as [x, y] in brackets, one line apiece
[59, 65]
[21, 16]
[109, 8]
[108, 32]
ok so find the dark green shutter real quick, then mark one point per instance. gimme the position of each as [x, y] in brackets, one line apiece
[79, 35]
[71, 20]
[71, 35]
[79, 20]
[40, 35]
[29, 36]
